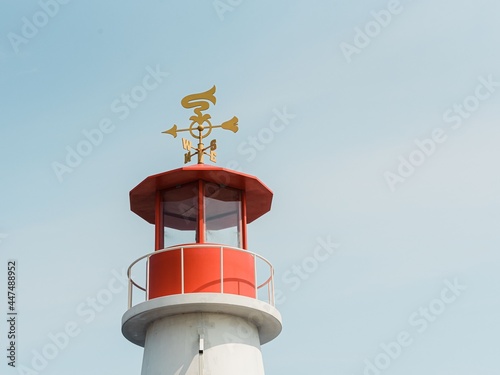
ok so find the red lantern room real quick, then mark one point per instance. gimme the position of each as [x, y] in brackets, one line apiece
[203, 212]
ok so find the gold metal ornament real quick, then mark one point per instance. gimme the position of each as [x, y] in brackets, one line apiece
[200, 122]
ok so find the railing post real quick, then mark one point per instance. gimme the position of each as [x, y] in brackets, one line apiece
[182, 270]
[147, 278]
[256, 285]
[129, 293]
[222, 269]
[269, 292]
[272, 286]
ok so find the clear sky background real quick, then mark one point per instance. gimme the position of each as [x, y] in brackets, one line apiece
[386, 144]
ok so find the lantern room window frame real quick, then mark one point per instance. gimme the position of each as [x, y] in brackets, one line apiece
[201, 228]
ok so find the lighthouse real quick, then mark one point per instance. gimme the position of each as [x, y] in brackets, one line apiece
[201, 302]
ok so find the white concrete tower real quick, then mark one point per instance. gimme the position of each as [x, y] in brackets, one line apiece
[208, 301]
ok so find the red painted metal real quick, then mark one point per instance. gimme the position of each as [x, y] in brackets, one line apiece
[258, 195]
[164, 274]
[239, 274]
[244, 236]
[159, 238]
[202, 272]
[201, 212]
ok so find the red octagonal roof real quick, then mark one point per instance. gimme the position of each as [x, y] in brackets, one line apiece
[258, 195]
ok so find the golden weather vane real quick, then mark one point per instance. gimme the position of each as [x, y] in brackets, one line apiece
[200, 122]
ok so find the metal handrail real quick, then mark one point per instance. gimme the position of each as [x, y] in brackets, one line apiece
[269, 281]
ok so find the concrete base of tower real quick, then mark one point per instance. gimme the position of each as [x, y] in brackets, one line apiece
[202, 333]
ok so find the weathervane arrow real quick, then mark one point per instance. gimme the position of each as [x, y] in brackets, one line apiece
[172, 131]
[200, 122]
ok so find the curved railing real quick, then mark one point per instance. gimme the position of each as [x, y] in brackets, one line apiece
[263, 271]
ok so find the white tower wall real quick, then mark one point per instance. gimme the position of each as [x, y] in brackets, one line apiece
[202, 343]
[202, 334]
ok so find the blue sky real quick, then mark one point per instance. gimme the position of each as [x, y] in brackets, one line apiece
[389, 151]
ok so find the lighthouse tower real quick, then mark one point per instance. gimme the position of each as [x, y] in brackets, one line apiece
[207, 302]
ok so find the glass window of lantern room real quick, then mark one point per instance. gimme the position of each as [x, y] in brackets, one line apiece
[180, 214]
[222, 215]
